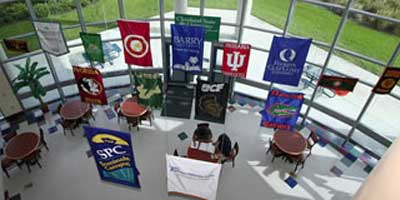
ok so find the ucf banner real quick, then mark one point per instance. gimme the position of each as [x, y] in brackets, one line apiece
[235, 59]
[187, 48]
[93, 46]
[51, 37]
[90, 85]
[211, 101]
[286, 60]
[149, 87]
[388, 81]
[282, 109]
[112, 151]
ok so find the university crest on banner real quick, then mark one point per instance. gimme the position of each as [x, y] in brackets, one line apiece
[286, 60]
[136, 41]
[149, 87]
[211, 101]
[90, 85]
[51, 37]
[235, 59]
[282, 109]
[388, 81]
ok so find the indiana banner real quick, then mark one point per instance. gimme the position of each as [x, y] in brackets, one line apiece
[187, 48]
[282, 109]
[136, 41]
[112, 151]
[93, 46]
[149, 87]
[90, 85]
[235, 59]
[51, 37]
[16, 45]
[211, 24]
[192, 178]
[388, 81]
[337, 83]
[211, 101]
[286, 60]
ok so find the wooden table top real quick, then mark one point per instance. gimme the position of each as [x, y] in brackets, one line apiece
[200, 155]
[73, 110]
[290, 142]
[22, 145]
[132, 109]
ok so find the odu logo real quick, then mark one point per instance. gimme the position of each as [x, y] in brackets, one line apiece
[212, 88]
[287, 55]
[109, 152]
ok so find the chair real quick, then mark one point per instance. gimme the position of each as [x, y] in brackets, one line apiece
[43, 142]
[32, 159]
[117, 110]
[7, 137]
[6, 164]
[133, 122]
[206, 125]
[312, 139]
[147, 116]
[232, 156]
[68, 125]
[59, 108]
[300, 160]
[274, 150]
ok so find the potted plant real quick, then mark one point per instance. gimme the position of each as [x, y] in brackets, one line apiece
[29, 76]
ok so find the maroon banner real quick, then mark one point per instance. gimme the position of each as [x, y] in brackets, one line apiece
[235, 59]
[16, 45]
[90, 85]
[387, 81]
[136, 41]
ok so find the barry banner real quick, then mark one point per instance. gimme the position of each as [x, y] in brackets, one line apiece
[388, 80]
[282, 109]
[93, 46]
[113, 153]
[149, 87]
[286, 60]
[337, 83]
[235, 59]
[90, 85]
[211, 24]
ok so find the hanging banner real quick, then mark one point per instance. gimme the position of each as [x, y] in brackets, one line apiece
[211, 101]
[211, 24]
[187, 48]
[136, 41]
[149, 87]
[90, 85]
[113, 154]
[16, 45]
[192, 178]
[286, 60]
[337, 83]
[388, 81]
[51, 37]
[282, 109]
[93, 46]
[235, 59]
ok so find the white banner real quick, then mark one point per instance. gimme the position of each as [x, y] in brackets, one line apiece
[194, 178]
[51, 37]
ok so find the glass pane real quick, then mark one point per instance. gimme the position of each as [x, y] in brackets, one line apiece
[270, 11]
[369, 143]
[100, 15]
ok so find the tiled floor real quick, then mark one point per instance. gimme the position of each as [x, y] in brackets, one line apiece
[68, 173]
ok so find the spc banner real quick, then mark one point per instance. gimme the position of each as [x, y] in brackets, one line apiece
[337, 83]
[93, 46]
[388, 81]
[136, 41]
[235, 59]
[90, 85]
[282, 109]
[286, 60]
[193, 178]
[16, 45]
[113, 153]
[149, 88]
[211, 24]
[211, 101]
[187, 48]
[51, 37]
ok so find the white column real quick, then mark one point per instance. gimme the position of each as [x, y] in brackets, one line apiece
[180, 6]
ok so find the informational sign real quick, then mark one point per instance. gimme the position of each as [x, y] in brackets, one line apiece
[235, 59]
[192, 178]
[112, 151]
[16, 45]
[51, 37]
[211, 24]
[93, 46]
[136, 41]
[149, 87]
[337, 83]
[90, 85]
[388, 81]
[286, 60]
[187, 48]
[282, 109]
[211, 101]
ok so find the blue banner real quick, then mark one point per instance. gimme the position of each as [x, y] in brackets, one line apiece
[282, 109]
[113, 153]
[187, 48]
[286, 60]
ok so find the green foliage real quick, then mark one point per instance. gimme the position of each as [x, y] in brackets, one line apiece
[10, 12]
[41, 10]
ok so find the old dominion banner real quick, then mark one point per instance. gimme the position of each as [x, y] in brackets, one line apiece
[149, 88]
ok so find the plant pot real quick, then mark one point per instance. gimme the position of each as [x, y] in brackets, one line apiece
[44, 107]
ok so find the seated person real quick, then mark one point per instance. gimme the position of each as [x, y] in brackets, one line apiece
[223, 146]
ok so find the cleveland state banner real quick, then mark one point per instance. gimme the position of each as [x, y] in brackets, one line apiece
[187, 48]
[149, 88]
[211, 101]
[211, 24]
[136, 41]
[113, 154]
[282, 109]
[93, 46]
[388, 80]
[90, 85]
[235, 59]
[337, 83]
[286, 60]
[51, 37]
[16, 45]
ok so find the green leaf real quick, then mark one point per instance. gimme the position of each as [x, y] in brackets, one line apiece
[40, 75]
[19, 85]
[27, 64]
[33, 67]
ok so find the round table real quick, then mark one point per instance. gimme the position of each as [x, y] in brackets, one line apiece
[292, 143]
[73, 110]
[132, 109]
[22, 145]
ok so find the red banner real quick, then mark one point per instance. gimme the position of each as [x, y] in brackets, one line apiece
[90, 85]
[235, 59]
[136, 41]
[388, 81]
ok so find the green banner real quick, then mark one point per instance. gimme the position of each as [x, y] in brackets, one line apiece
[211, 24]
[149, 88]
[93, 46]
